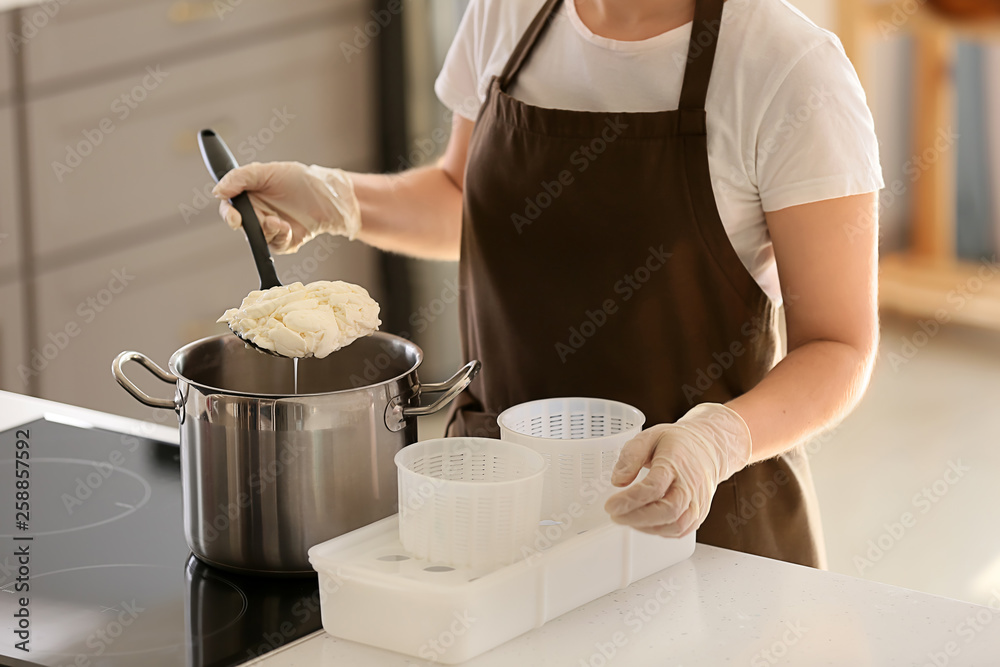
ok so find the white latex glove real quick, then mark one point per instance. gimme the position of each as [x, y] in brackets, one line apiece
[687, 460]
[293, 202]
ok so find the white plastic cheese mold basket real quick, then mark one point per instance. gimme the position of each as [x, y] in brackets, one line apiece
[580, 439]
[468, 502]
[373, 592]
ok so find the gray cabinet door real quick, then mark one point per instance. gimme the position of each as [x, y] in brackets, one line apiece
[9, 222]
[153, 298]
[85, 39]
[15, 368]
[8, 165]
[105, 175]
[12, 324]
[11, 32]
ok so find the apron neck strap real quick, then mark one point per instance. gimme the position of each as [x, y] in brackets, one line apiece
[527, 43]
[701, 50]
[701, 53]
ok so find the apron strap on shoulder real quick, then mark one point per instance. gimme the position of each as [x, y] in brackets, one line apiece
[701, 53]
[527, 42]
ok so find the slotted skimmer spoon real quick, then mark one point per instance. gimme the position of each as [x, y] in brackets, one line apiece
[219, 160]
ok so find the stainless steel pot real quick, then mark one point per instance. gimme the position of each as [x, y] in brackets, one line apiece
[268, 471]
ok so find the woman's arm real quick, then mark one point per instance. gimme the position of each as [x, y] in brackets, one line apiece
[827, 257]
[418, 212]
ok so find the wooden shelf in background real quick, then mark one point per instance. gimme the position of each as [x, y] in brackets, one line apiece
[885, 17]
[928, 281]
[946, 290]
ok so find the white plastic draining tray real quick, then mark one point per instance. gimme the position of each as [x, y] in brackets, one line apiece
[372, 592]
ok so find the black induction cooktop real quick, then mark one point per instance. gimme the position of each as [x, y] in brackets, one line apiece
[94, 570]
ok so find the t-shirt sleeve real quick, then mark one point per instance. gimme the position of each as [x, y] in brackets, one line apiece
[457, 85]
[816, 139]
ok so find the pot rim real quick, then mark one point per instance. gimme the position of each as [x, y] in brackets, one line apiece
[172, 365]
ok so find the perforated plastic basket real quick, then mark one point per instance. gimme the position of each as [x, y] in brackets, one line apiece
[580, 439]
[468, 502]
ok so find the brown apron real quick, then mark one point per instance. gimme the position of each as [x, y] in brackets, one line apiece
[594, 263]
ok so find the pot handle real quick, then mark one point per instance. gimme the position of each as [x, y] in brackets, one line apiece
[451, 388]
[129, 386]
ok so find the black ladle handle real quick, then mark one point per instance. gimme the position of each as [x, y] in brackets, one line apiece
[220, 161]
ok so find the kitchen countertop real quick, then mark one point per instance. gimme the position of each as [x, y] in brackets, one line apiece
[16, 409]
[718, 607]
[726, 608]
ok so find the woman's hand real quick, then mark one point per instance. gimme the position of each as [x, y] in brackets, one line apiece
[293, 202]
[417, 212]
[686, 461]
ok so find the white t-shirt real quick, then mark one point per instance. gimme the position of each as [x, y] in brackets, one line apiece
[787, 120]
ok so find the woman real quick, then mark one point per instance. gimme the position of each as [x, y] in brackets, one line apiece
[632, 189]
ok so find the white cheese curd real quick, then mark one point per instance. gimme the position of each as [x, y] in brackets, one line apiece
[299, 320]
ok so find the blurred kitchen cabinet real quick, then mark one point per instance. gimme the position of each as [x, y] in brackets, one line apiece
[153, 298]
[9, 223]
[12, 324]
[127, 249]
[12, 376]
[8, 164]
[85, 37]
[6, 28]
[289, 99]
